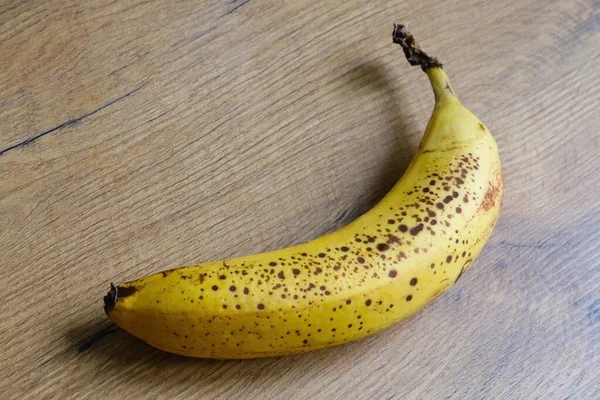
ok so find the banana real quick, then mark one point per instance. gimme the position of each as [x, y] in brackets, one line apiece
[367, 276]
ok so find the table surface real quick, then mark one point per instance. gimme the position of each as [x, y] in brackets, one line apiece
[144, 135]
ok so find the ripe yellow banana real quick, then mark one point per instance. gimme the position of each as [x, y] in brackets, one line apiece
[386, 265]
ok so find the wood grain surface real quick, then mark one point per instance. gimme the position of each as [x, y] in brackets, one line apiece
[141, 135]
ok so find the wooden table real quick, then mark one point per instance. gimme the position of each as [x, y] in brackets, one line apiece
[144, 135]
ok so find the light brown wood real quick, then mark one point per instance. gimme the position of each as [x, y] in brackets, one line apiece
[144, 135]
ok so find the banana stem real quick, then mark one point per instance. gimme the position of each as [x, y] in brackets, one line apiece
[413, 52]
[431, 65]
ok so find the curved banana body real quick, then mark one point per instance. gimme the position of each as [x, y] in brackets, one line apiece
[386, 265]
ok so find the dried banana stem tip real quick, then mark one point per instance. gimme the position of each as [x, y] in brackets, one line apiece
[110, 299]
[412, 50]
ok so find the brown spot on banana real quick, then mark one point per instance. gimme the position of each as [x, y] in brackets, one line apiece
[494, 192]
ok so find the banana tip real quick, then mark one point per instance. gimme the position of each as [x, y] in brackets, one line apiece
[110, 299]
